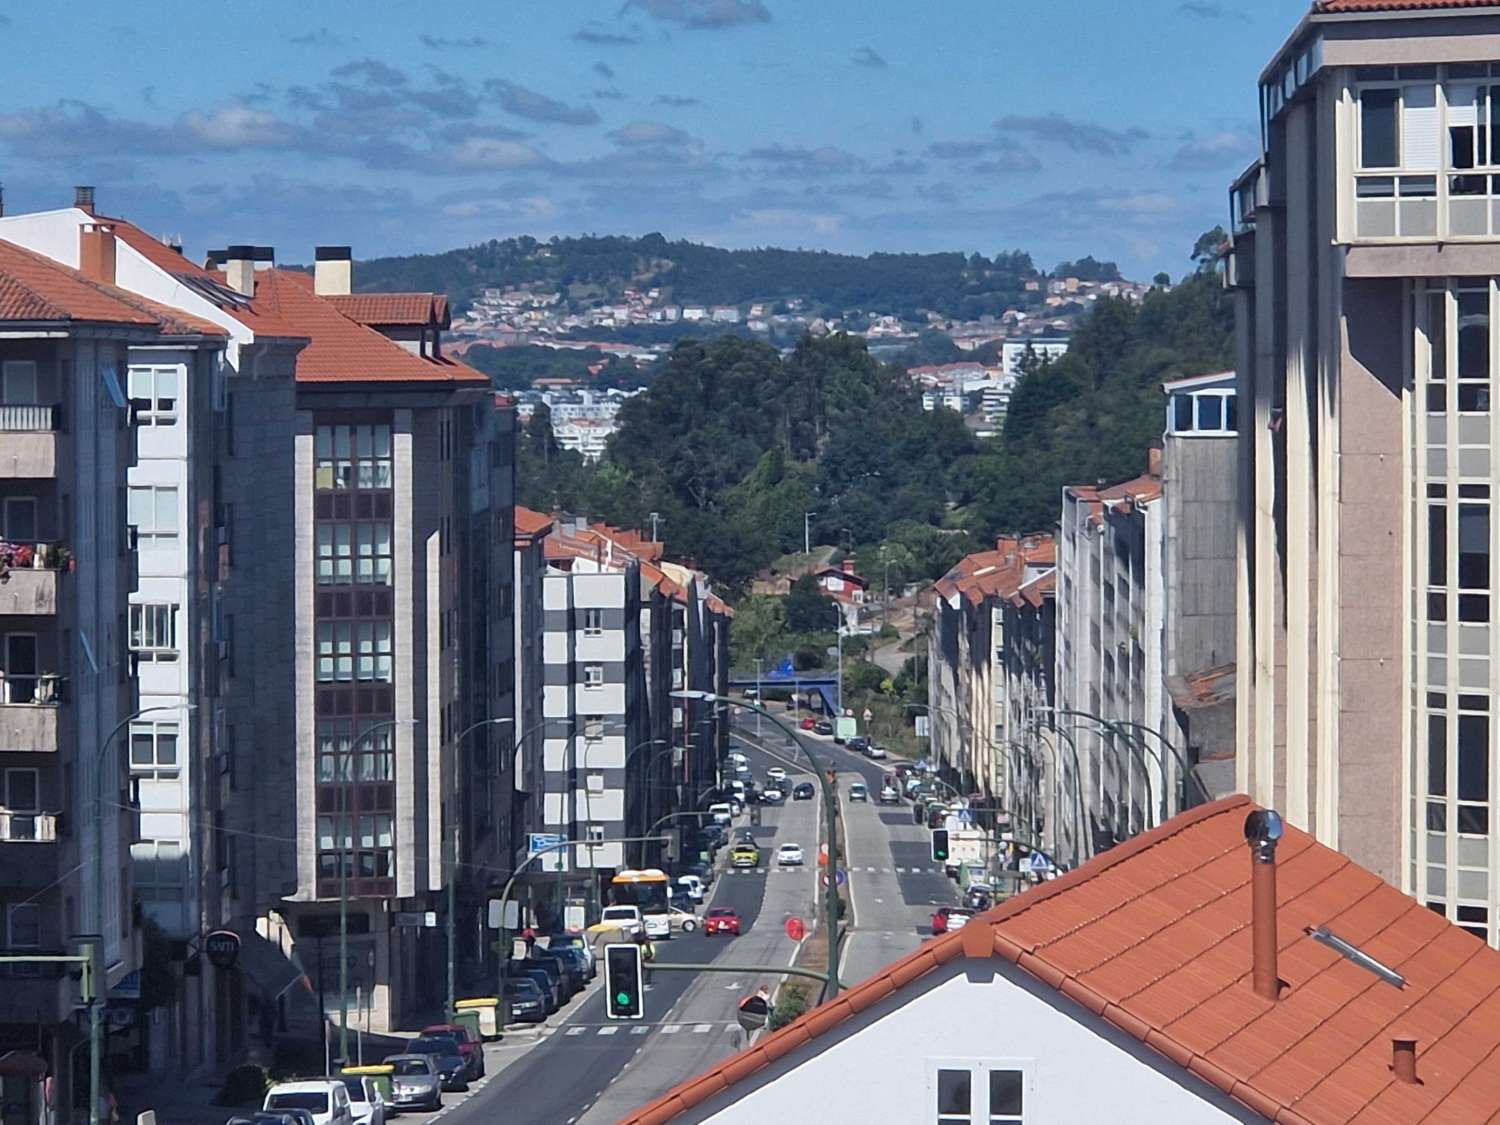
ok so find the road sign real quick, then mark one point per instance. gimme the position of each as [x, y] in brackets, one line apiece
[423, 919]
[222, 948]
[540, 840]
[868, 715]
[796, 929]
[840, 875]
[965, 817]
[1037, 863]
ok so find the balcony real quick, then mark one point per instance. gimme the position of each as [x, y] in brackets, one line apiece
[27, 827]
[28, 577]
[29, 449]
[28, 713]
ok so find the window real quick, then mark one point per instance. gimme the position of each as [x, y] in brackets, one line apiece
[593, 676]
[153, 749]
[153, 394]
[158, 864]
[594, 833]
[18, 383]
[153, 513]
[352, 457]
[978, 1094]
[1005, 1097]
[23, 924]
[1379, 141]
[593, 623]
[955, 1102]
[153, 632]
[20, 519]
[593, 728]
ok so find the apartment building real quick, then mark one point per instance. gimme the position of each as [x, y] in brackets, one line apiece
[990, 678]
[530, 562]
[71, 643]
[1364, 260]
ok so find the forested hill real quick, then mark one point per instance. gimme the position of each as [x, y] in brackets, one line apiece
[590, 268]
[732, 443]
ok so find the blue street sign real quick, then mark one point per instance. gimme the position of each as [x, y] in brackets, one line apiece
[539, 840]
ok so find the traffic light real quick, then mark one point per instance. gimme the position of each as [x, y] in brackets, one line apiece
[939, 845]
[623, 990]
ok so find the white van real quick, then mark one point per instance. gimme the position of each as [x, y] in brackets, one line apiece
[327, 1101]
[721, 813]
[624, 918]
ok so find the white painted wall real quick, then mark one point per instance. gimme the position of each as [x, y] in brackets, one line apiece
[886, 1070]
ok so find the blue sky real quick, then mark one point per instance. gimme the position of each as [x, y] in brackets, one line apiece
[1062, 127]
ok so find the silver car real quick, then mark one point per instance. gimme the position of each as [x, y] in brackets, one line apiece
[416, 1083]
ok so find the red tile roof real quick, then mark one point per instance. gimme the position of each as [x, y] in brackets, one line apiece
[341, 351]
[34, 287]
[1153, 936]
[998, 573]
[379, 310]
[531, 524]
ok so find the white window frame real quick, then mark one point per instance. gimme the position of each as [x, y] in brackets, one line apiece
[980, 1111]
[147, 504]
[156, 767]
[593, 834]
[145, 383]
[593, 677]
[149, 618]
[593, 728]
[593, 623]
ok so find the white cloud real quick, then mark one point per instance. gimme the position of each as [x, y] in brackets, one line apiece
[475, 153]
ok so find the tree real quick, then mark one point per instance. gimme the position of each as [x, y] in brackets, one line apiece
[1205, 255]
[808, 609]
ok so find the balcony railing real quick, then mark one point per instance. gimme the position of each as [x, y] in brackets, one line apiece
[45, 690]
[35, 418]
[27, 827]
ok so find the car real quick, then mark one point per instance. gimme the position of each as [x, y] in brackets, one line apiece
[803, 791]
[326, 1099]
[858, 744]
[888, 795]
[624, 918]
[789, 855]
[572, 970]
[808, 723]
[722, 920]
[415, 1082]
[772, 796]
[744, 855]
[721, 812]
[946, 918]
[702, 869]
[776, 773]
[527, 1004]
[877, 753]
[578, 942]
[682, 921]
[823, 726]
[692, 885]
[365, 1100]
[551, 991]
[280, 1117]
[451, 1067]
[738, 759]
[466, 1041]
[858, 791]
[561, 979]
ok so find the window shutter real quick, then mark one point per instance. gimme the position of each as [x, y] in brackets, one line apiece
[1419, 128]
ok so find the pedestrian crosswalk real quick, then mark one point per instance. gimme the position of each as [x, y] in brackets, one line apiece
[866, 870]
[576, 1031]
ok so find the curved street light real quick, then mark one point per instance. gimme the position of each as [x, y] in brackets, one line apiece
[1139, 746]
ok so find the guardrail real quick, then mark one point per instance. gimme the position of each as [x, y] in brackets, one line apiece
[17, 419]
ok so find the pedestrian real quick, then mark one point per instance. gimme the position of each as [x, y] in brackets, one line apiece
[528, 935]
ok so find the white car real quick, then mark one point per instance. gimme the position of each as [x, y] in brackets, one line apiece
[776, 773]
[772, 793]
[684, 921]
[326, 1099]
[365, 1100]
[789, 855]
[626, 919]
[876, 752]
[693, 885]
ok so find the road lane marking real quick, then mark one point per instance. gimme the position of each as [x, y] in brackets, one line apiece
[702, 1029]
[639, 1030]
[671, 1029]
[608, 1030]
[576, 1030]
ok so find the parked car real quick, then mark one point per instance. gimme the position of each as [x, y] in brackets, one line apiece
[527, 1004]
[578, 942]
[551, 993]
[744, 855]
[702, 869]
[858, 744]
[415, 1083]
[808, 723]
[858, 791]
[776, 773]
[365, 1100]
[722, 920]
[721, 812]
[571, 968]
[822, 726]
[467, 1043]
[451, 1067]
[326, 1099]
[803, 791]
[946, 918]
[682, 921]
[555, 973]
[280, 1117]
[789, 855]
[876, 753]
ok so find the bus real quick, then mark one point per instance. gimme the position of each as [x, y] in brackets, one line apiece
[646, 889]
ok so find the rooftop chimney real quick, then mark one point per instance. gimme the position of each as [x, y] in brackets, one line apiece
[1262, 829]
[96, 252]
[1153, 461]
[239, 269]
[83, 198]
[333, 271]
[848, 565]
[1404, 1061]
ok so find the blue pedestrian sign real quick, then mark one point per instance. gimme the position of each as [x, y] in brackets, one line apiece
[1037, 863]
[965, 816]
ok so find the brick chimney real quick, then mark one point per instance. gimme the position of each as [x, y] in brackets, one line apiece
[96, 252]
[1263, 829]
[333, 271]
[83, 198]
[239, 269]
[848, 565]
[1153, 461]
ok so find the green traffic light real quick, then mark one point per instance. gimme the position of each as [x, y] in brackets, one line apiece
[622, 998]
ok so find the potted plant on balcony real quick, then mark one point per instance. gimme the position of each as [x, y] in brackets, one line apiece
[13, 555]
[55, 556]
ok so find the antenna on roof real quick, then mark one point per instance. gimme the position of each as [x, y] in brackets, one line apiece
[1347, 949]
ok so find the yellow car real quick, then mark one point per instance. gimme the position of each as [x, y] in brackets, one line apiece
[745, 855]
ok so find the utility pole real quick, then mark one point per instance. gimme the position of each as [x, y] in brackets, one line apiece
[759, 663]
[655, 518]
[885, 598]
[840, 614]
[807, 532]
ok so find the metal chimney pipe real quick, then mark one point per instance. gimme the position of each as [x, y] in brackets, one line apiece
[1263, 829]
[1404, 1061]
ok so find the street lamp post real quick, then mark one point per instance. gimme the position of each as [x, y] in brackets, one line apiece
[807, 532]
[839, 613]
[830, 800]
[101, 982]
[1116, 729]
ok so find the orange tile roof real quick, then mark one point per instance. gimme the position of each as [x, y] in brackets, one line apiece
[531, 524]
[1153, 936]
[34, 287]
[341, 351]
[998, 573]
[385, 309]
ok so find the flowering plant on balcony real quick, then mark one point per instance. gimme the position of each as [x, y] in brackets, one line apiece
[14, 555]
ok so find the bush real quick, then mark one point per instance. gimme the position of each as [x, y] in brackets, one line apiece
[791, 1002]
[244, 1084]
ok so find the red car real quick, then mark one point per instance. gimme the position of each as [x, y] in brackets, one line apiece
[809, 723]
[470, 1048]
[946, 918]
[722, 920]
